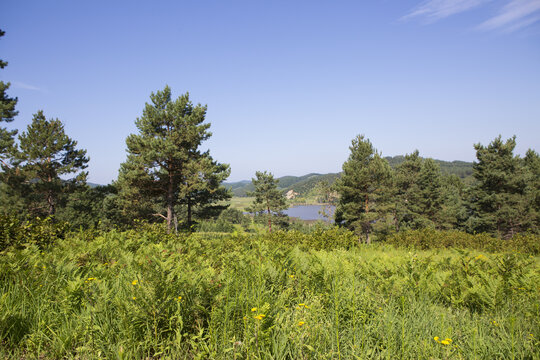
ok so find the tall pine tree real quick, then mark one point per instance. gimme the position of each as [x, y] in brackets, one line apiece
[7, 114]
[363, 188]
[160, 170]
[405, 197]
[46, 154]
[500, 201]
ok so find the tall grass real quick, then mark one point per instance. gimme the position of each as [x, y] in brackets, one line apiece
[145, 294]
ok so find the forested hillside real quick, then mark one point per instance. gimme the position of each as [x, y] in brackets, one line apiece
[306, 183]
[299, 184]
[460, 168]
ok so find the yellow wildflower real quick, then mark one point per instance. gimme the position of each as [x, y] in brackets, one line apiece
[134, 298]
[300, 323]
[90, 279]
[253, 309]
[179, 298]
[446, 341]
[134, 282]
[291, 276]
[259, 317]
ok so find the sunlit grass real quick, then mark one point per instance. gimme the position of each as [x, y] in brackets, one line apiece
[143, 294]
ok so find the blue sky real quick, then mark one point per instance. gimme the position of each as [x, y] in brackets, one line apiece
[288, 84]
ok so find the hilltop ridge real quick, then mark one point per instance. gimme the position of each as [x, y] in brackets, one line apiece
[305, 183]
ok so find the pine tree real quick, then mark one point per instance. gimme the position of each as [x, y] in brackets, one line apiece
[532, 166]
[46, 154]
[202, 189]
[406, 200]
[362, 188]
[267, 196]
[160, 167]
[7, 114]
[453, 213]
[430, 194]
[500, 200]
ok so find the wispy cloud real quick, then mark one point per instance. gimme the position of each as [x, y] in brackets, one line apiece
[21, 85]
[514, 15]
[433, 10]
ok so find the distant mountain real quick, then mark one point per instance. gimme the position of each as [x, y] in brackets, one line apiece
[462, 169]
[300, 184]
[304, 184]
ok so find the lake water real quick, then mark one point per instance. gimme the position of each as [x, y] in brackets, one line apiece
[310, 212]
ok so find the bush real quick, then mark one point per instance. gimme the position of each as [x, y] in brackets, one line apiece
[39, 232]
[218, 225]
[429, 238]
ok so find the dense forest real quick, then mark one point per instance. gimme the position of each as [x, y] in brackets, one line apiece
[425, 259]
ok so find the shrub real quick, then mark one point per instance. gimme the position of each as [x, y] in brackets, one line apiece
[429, 238]
[39, 232]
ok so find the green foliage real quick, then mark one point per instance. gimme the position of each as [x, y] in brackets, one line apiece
[7, 113]
[148, 294]
[47, 153]
[86, 207]
[418, 193]
[164, 165]
[267, 196]
[42, 233]
[277, 220]
[461, 169]
[502, 201]
[202, 193]
[218, 225]
[302, 185]
[429, 238]
[362, 189]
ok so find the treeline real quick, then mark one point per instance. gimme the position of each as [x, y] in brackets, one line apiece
[462, 169]
[503, 199]
[167, 178]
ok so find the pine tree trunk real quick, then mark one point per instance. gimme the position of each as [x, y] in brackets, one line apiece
[368, 240]
[189, 214]
[50, 197]
[50, 201]
[269, 220]
[170, 205]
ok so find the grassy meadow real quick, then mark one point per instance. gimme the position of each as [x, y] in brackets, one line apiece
[241, 203]
[143, 294]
